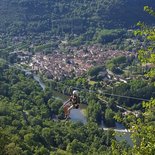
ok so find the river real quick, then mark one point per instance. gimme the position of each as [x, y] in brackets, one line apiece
[37, 78]
[77, 115]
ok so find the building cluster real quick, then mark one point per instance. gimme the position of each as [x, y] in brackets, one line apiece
[73, 63]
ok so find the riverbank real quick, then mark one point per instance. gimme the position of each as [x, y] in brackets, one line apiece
[80, 114]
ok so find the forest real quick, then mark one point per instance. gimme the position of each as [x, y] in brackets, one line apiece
[27, 116]
[61, 17]
[27, 113]
[27, 124]
[37, 26]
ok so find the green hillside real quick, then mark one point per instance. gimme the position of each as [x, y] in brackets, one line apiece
[32, 120]
[70, 16]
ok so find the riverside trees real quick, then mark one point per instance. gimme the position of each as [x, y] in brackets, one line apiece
[27, 127]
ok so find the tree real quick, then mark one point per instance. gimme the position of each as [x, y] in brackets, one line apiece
[143, 129]
[75, 147]
[4, 140]
[95, 70]
[109, 117]
[94, 111]
[55, 105]
[42, 150]
[13, 149]
[146, 54]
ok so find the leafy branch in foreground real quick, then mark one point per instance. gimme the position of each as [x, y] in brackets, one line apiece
[146, 54]
[143, 129]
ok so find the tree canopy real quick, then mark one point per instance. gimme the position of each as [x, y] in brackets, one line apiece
[25, 16]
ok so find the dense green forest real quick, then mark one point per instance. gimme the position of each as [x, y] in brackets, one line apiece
[27, 124]
[27, 119]
[27, 113]
[60, 17]
[35, 25]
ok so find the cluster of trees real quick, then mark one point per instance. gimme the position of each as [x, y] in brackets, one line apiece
[27, 124]
[108, 35]
[114, 64]
[136, 88]
[143, 127]
[96, 110]
[30, 22]
[94, 72]
[26, 112]
[69, 16]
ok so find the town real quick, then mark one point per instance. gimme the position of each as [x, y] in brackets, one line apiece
[75, 63]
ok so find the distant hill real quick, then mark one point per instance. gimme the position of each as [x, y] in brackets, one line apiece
[70, 16]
